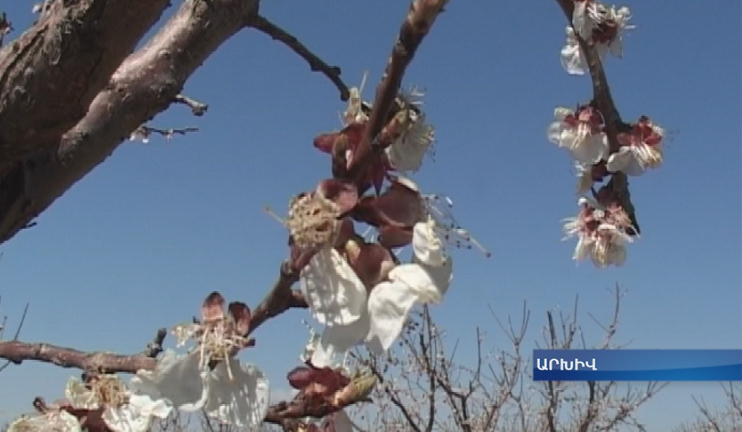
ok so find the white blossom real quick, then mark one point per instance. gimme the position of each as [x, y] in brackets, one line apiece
[233, 392]
[586, 16]
[571, 56]
[52, 420]
[124, 409]
[580, 132]
[604, 27]
[406, 153]
[601, 232]
[379, 320]
[640, 150]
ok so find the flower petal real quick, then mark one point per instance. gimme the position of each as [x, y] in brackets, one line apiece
[572, 59]
[427, 246]
[429, 283]
[57, 421]
[621, 160]
[132, 417]
[337, 339]
[332, 289]
[241, 400]
[388, 305]
[592, 150]
[177, 378]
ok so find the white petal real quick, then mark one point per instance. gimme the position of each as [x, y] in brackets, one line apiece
[554, 132]
[592, 150]
[342, 422]
[177, 378]
[571, 56]
[427, 247]
[580, 19]
[51, 421]
[428, 282]
[332, 289]
[617, 254]
[337, 339]
[407, 153]
[583, 248]
[80, 396]
[624, 161]
[128, 418]
[389, 304]
[242, 401]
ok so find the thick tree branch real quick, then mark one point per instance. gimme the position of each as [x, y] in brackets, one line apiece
[415, 27]
[315, 63]
[51, 74]
[145, 84]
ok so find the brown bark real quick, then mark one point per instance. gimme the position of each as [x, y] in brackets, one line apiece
[49, 76]
[146, 83]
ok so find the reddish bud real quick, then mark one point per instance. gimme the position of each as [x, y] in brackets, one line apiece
[342, 193]
[300, 377]
[399, 206]
[394, 237]
[370, 261]
[240, 313]
[213, 307]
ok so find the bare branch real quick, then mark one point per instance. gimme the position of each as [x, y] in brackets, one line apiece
[316, 64]
[196, 107]
[142, 133]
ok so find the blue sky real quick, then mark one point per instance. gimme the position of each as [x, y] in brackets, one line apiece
[138, 243]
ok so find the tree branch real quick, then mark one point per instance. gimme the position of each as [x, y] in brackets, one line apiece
[144, 85]
[53, 71]
[315, 63]
[603, 101]
[196, 107]
[279, 299]
[417, 24]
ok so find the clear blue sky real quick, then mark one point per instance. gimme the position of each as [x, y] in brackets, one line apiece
[138, 243]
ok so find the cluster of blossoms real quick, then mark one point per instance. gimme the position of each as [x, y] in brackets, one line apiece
[207, 377]
[598, 24]
[355, 285]
[603, 227]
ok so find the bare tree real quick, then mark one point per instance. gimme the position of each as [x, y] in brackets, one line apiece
[727, 418]
[423, 388]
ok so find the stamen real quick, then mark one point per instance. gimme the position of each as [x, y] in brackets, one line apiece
[274, 215]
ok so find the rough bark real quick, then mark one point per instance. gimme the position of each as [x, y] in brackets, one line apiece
[146, 83]
[49, 76]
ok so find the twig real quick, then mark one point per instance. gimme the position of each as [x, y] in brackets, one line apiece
[5, 27]
[142, 133]
[316, 64]
[417, 24]
[17, 333]
[154, 348]
[279, 299]
[196, 107]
